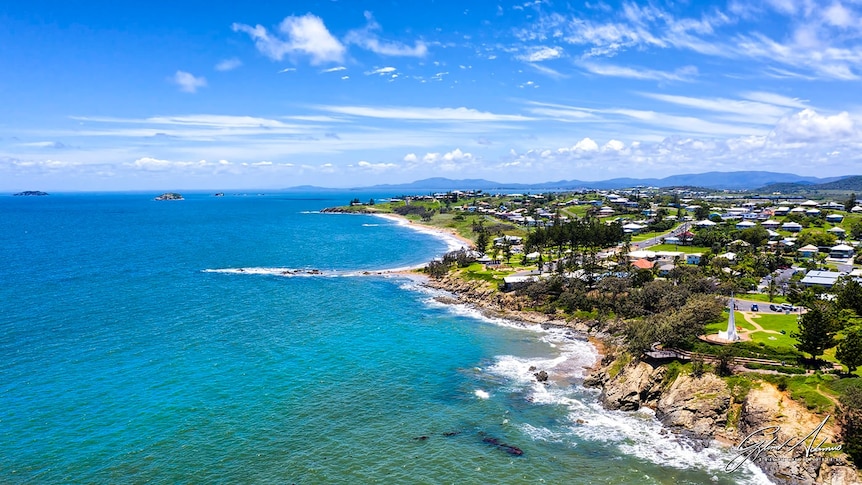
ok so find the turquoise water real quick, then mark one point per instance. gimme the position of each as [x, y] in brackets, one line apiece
[125, 358]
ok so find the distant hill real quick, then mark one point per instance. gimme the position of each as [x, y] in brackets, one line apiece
[848, 183]
[851, 183]
[710, 180]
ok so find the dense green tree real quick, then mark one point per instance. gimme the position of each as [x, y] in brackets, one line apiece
[850, 421]
[848, 294]
[816, 237]
[817, 329]
[482, 242]
[856, 229]
[850, 202]
[701, 212]
[849, 351]
[756, 236]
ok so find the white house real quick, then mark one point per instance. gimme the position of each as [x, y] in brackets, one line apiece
[633, 228]
[856, 209]
[821, 278]
[808, 251]
[704, 223]
[692, 258]
[840, 233]
[834, 218]
[745, 225]
[770, 224]
[792, 226]
[841, 251]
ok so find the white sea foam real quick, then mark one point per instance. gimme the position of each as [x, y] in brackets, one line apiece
[482, 394]
[637, 434]
[370, 225]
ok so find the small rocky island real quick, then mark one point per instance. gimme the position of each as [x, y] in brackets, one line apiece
[30, 193]
[170, 196]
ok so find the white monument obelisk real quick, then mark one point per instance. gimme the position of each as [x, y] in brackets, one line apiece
[730, 333]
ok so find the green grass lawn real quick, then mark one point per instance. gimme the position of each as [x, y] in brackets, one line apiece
[476, 272]
[777, 299]
[676, 247]
[780, 322]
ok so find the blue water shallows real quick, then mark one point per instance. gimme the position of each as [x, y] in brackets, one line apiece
[123, 359]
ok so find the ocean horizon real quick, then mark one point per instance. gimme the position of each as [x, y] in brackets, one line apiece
[247, 338]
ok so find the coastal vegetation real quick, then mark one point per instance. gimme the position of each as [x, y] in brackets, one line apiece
[647, 273]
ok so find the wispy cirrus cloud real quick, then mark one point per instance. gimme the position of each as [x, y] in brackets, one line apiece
[821, 39]
[334, 69]
[421, 114]
[685, 74]
[539, 54]
[368, 39]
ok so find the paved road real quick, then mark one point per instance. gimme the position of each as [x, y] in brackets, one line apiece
[745, 305]
[657, 239]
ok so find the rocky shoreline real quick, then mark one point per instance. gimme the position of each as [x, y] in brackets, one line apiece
[702, 409]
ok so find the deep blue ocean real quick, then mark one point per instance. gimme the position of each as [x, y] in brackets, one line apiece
[133, 349]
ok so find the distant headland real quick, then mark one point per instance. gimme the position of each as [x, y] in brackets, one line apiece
[30, 193]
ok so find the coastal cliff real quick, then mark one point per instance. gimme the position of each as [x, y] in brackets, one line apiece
[705, 408]
[702, 409]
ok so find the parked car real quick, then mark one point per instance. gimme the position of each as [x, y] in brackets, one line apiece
[755, 308]
[787, 307]
[774, 308]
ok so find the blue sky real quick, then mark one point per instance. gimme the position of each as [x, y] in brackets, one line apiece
[222, 95]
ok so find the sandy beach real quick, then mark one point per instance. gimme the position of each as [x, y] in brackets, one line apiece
[454, 240]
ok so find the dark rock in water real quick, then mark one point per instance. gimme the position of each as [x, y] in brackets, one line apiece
[30, 193]
[170, 196]
[532, 368]
[541, 376]
[420, 438]
[512, 450]
[451, 433]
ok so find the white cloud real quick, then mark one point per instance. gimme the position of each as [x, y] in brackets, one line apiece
[539, 54]
[586, 145]
[188, 82]
[776, 99]
[151, 164]
[375, 167]
[422, 114]
[44, 144]
[554, 74]
[334, 69]
[839, 16]
[368, 39]
[746, 111]
[287, 69]
[228, 64]
[682, 74]
[812, 37]
[613, 145]
[381, 71]
[807, 126]
[450, 161]
[305, 35]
